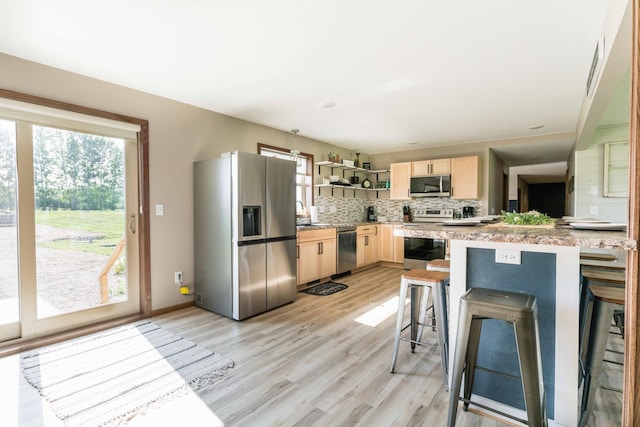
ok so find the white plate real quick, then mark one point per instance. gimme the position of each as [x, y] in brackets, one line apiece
[581, 219]
[461, 222]
[487, 218]
[597, 226]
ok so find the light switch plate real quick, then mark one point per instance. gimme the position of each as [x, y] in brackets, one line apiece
[159, 210]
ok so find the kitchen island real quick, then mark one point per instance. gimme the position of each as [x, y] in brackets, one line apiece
[544, 262]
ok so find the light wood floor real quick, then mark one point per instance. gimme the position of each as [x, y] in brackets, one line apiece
[309, 363]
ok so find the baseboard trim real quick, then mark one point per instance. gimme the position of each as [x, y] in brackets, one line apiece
[172, 308]
[20, 345]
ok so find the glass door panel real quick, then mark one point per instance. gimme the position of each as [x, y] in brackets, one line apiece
[9, 290]
[80, 221]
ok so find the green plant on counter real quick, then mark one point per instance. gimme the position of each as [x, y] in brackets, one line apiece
[525, 218]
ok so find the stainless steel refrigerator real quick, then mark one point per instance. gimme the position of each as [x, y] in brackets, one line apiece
[245, 234]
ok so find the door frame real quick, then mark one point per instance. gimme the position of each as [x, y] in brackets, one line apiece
[631, 385]
[143, 231]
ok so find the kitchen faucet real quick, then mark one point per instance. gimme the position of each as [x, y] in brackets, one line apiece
[301, 205]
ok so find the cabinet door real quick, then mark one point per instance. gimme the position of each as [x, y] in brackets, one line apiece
[308, 261]
[327, 258]
[360, 250]
[441, 166]
[421, 168]
[464, 177]
[400, 174]
[374, 240]
[398, 247]
[386, 242]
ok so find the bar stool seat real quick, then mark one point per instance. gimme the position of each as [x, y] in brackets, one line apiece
[597, 255]
[604, 299]
[439, 265]
[521, 311]
[596, 264]
[416, 280]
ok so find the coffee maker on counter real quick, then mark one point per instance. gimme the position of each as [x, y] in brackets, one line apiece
[371, 213]
[468, 212]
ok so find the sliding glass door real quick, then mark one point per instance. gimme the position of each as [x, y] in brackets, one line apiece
[9, 290]
[68, 246]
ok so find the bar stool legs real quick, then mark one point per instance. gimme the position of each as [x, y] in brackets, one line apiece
[416, 281]
[520, 310]
[602, 302]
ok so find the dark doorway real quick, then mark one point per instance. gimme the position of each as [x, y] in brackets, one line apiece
[548, 199]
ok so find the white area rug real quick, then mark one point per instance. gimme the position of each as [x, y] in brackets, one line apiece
[110, 376]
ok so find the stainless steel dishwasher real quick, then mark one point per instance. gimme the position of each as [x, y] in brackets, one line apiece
[346, 249]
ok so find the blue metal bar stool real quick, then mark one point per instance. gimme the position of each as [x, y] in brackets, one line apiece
[417, 280]
[521, 311]
[602, 300]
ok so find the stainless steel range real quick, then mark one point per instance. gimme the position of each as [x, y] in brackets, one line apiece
[431, 215]
[419, 251]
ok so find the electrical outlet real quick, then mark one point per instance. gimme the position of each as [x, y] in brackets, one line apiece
[507, 257]
[332, 209]
[593, 210]
[177, 277]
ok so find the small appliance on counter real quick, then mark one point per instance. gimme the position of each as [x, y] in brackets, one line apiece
[468, 212]
[313, 211]
[406, 214]
[371, 213]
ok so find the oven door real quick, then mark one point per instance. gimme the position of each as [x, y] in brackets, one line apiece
[419, 251]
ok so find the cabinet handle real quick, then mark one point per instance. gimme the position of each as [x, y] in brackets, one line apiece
[298, 251]
[366, 240]
[375, 230]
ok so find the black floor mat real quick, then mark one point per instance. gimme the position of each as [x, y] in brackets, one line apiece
[324, 289]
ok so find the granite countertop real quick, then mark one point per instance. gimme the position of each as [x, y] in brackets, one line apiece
[560, 235]
[345, 224]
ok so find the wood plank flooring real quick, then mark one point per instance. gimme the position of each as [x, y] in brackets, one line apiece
[309, 363]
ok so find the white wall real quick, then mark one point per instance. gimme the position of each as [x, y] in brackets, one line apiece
[589, 178]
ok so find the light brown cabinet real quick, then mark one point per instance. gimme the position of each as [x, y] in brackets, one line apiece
[367, 245]
[465, 177]
[316, 254]
[400, 175]
[431, 167]
[391, 247]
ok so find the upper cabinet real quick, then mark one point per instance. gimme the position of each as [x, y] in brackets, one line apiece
[431, 167]
[400, 176]
[465, 177]
[464, 173]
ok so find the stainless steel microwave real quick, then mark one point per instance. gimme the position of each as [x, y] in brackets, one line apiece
[431, 186]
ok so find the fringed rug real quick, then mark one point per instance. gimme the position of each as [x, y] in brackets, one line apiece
[103, 378]
[324, 289]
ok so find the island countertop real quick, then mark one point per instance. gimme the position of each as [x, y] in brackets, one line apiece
[560, 235]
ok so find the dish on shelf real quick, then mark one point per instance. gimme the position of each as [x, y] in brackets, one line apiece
[461, 222]
[598, 226]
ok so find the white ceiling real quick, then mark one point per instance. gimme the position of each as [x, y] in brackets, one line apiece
[426, 72]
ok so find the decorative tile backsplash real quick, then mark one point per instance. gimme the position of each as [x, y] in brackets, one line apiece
[340, 210]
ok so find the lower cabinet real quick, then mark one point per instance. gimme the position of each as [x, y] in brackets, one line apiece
[391, 247]
[367, 245]
[316, 254]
